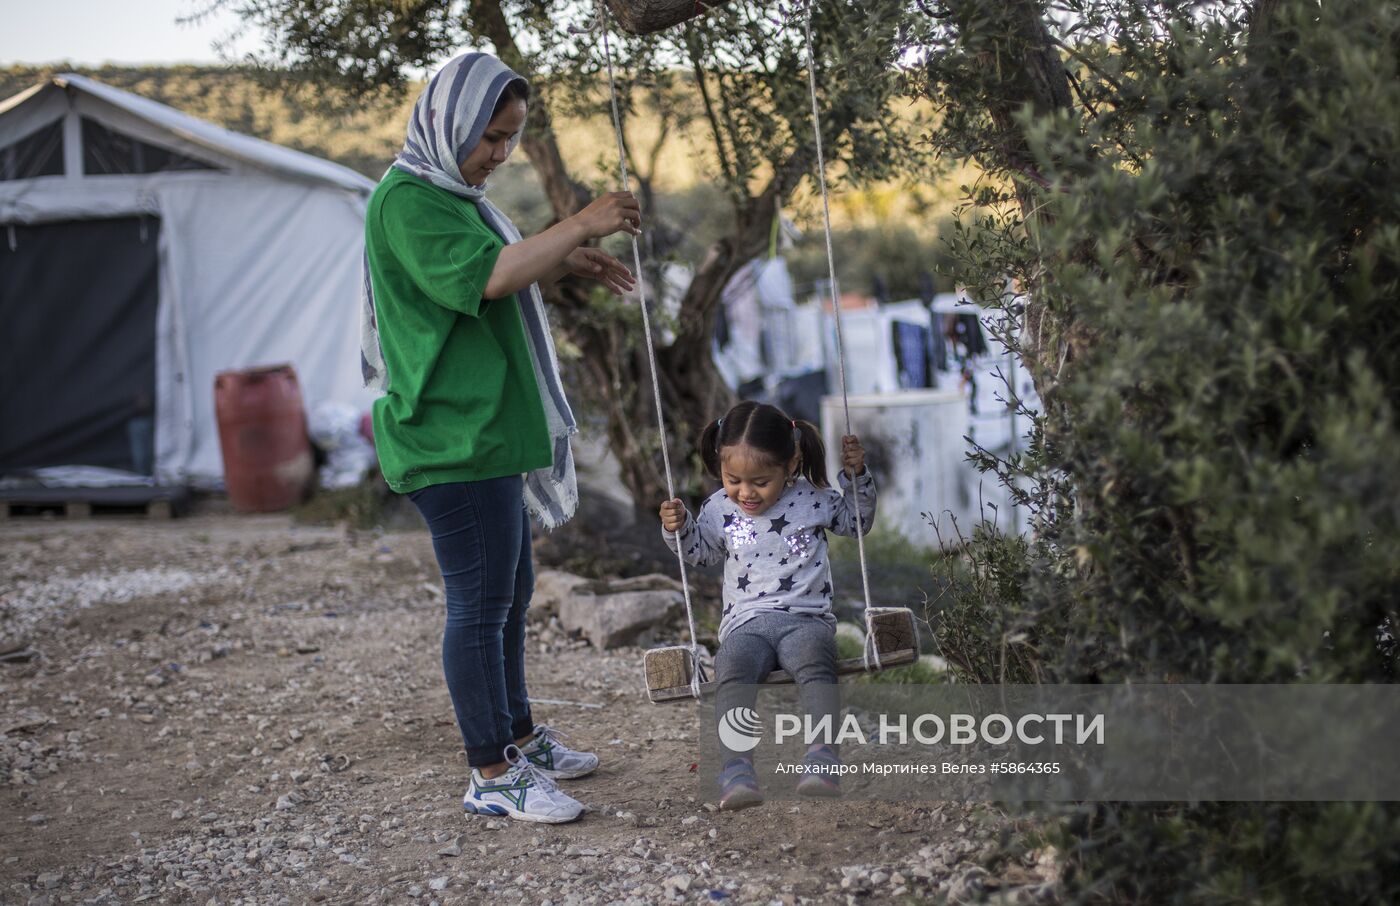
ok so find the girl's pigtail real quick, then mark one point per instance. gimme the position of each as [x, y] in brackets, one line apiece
[709, 448]
[809, 443]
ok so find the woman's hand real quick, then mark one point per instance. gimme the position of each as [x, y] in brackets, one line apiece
[852, 455]
[673, 515]
[554, 253]
[596, 264]
[610, 213]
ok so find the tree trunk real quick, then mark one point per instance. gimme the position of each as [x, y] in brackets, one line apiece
[617, 378]
[1022, 68]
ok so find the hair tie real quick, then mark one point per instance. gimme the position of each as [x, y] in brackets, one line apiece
[719, 430]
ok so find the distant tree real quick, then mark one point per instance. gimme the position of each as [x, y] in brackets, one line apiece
[740, 68]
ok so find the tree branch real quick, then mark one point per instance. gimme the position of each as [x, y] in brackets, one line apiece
[566, 196]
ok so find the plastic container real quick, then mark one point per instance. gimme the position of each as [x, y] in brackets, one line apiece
[268, 464]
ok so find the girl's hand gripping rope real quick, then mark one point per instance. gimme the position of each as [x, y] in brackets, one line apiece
[673, 515]
[852, 455]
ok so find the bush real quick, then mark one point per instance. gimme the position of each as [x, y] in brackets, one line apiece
[1214, 267]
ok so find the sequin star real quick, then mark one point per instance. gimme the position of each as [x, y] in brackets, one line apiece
[799, 544]
[778, 525]
[740, 530]
[743, 583]
[785, 584]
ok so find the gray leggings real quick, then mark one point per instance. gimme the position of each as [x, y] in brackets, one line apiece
[801, 644]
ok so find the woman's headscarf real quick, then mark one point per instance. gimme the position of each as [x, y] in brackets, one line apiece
[446, 125]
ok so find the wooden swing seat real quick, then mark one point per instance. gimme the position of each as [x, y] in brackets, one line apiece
[897, 641]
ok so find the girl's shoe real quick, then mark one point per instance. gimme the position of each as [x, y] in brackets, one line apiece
[556, 760]
[738, 785]
[821, 780]
[523, 792]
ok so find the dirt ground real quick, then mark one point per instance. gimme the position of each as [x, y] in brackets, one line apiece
[226, 709]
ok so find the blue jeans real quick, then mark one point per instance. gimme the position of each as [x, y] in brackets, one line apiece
[482, 540]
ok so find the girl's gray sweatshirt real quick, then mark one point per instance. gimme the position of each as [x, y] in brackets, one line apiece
[777, 560]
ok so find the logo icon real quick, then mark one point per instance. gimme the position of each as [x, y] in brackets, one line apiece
[739, 729]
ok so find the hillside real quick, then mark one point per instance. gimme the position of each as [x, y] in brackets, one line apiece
[889, 230]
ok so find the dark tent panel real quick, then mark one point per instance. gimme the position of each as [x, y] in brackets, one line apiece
[78, 356]
[107, 151]
[39, 154]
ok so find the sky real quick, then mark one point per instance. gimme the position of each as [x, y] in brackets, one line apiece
[92, 32]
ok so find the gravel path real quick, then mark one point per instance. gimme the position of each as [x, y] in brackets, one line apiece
[240, 710]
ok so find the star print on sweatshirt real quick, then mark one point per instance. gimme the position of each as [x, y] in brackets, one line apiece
[777, 560]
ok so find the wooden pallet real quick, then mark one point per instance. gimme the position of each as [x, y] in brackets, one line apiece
[667, 670]
[84, 503]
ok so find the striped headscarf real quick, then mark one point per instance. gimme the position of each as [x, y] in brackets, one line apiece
[446, 125]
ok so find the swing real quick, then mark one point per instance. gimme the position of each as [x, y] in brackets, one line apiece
[675, 672]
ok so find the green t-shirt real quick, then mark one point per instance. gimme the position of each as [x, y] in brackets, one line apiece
[463, 404]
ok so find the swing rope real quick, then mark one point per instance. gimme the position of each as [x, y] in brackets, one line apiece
[695, 667]
[870, 650]
[871, 653]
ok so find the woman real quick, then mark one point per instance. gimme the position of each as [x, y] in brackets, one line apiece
[474, 426]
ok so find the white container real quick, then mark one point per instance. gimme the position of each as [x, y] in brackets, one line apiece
[914, 445]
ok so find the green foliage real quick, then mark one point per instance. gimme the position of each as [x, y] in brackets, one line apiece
[898, 571]
[897, 256]
[1206, 246]
[369, 504]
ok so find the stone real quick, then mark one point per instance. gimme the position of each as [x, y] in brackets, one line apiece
[611, 619]
[439, 883]
[847, 630]
[552, 588]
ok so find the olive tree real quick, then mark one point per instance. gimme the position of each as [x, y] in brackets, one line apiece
[740, 69]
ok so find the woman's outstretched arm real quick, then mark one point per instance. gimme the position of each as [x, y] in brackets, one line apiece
[542, 257]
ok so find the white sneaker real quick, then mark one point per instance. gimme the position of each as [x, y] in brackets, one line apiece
[523, 792]
[555, 759]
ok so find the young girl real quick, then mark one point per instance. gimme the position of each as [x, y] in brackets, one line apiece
[768, 523]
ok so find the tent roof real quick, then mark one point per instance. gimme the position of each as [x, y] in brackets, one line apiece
[222, 142]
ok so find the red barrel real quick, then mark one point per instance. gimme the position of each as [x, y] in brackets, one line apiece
[262, 433]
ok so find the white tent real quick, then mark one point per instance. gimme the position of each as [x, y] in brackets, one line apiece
[141, 252]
